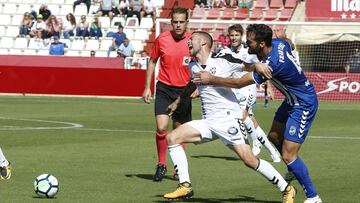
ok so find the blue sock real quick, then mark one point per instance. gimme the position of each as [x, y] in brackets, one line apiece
[301, 172]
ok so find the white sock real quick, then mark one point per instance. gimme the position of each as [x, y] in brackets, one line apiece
[3, 161]
[264, 140]
[179, 160]
[270, 173]
[250, 128]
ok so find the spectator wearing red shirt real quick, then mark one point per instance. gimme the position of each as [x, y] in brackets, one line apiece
[171, 47]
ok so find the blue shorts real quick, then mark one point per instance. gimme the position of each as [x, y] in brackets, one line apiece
[298, 120]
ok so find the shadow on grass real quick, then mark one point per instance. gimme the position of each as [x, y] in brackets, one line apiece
[148, 176]
[228, 158]
[44, 198]
[241, 198]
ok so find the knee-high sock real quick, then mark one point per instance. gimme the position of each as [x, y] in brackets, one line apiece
[264, 140]
[301, 172]
[270, 173]
[249, 124]
[3, 161]
[179, 160]
[161, 145]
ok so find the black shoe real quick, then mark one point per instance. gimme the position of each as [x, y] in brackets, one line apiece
[160, 172]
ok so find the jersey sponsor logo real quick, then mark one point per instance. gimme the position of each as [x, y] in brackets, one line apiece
[233, 130]
[352, 87]
[292, 130]
[186, 61]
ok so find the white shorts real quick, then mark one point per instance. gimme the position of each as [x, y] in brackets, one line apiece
[246, 97]
[227, 130]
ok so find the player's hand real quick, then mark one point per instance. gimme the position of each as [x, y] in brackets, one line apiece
[203, 77]
[263, 70]
[173, 106]
[147, 95]
[195, 94]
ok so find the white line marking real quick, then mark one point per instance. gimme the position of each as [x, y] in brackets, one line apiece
[335, 137]
[69, 125]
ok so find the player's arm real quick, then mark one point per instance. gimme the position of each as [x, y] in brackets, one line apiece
[188, 91]
[149, 73]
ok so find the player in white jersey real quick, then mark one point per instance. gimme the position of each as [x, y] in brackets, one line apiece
[221, 119]
[247, 95]
[5, 170]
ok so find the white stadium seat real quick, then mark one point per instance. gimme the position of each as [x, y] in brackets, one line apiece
[129, 33]
[117, 19]
[21, 43]
[57, 2]
[54, 8]
[30, 52]
[92, 44]
[14, 1]
[9, 8]
[132, 22]
[12, 31]
[43, 52]
[2, 30]
[93, 9]
[15, 52]
[72, 53]
[105, 22]
[65, 9]
[141, 34]
[146, 23]
[101, 54]
[23, 8]
[43, 1]
[16, 19]
[5, 19]
[85, 53]
[3, 51]
[138, 45]
[80, 10]
[105, 44]
[78, 45]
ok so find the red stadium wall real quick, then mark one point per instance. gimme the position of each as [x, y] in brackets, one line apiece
[334, 86]
[69, 76]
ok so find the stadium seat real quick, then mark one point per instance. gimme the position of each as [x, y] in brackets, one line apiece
[21, 43]
[132, 22]
[129, 33]
[54, 8]
[78, 44]
[207, 27]
[117, 19]
[80, 9]
[138, 45]
[105, 44]
[16, 19]
[58, 2]
[24, 8]
[141, 34]
[9, 8]
[93, 9]
[92, 44]
[35, 7]
[241, 14]
[222, 27]
[67, 42]
[101, 54]
[12, 31]
[72, 53]
[276, 4]
[158, 3]
[2, 30]
[213, 13]
[4, 51]
[198, 13]
[3, 1]
[257, 14]
[228, 14]
[290, 4]
[85, 53]
[113, 54]
[105, 22]
[14, 1]
[43, 52]
[286, 14]
[43, 1]
[36, 44]
[65, 9]
[264, 4]
[31, 2]
[69, 2]
[15, 52]
[192, 27]
[271, 14]
[6, 42]
[146, 23]
[30, 52]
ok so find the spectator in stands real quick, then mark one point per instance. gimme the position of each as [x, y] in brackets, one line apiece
[245, 4]
[95, 28]
[126, 49]
[92, 53]
[57, 47]
[148, 9]
[44, 11]
[82, 27]
[134, 9]
[218, 4]
[279, 31]
[53, 27]
[231, 3]
[118, 39]
[200, 3]
[78, 2]
[142, 61]
[224, 39]
[106, 9]
[69, 26]
[25, 25]
[38, 28]
[353, 64]
[122, 8]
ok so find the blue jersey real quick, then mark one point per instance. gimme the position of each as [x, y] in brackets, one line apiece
[287, 75]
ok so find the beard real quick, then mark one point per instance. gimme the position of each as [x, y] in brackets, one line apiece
[254, 50]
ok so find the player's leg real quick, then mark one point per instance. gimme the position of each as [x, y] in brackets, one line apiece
[187, 133]
[263, 139]
[5, 170]
[297, 127]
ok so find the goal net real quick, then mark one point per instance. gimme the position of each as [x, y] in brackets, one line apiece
[329, 53]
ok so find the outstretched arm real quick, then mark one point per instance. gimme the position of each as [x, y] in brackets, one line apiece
[188, 90]
[205, 77]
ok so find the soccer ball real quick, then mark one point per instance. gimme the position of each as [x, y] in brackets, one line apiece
[46, 185]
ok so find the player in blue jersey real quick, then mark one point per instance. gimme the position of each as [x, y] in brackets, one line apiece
[294, 117]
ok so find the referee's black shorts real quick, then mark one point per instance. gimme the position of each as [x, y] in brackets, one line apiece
[165, 95]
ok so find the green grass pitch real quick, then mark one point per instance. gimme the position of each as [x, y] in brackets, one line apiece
[103, 150]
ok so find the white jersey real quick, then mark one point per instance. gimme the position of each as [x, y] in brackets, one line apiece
[218, 102]
[244, 93]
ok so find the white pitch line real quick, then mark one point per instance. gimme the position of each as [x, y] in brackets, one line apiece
[335, 137]
[69, 125]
